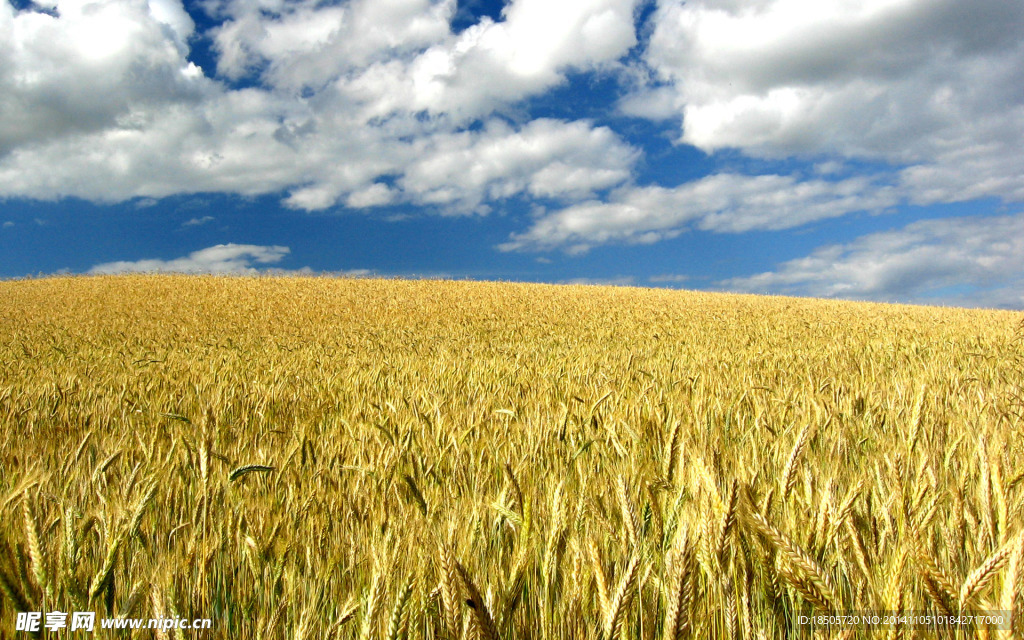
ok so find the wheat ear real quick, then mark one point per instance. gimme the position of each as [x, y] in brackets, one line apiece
[398, 625]
[1011, 598]
[140, 509]
[789, 473]
[483, 622]
[809, 569]
[135, 597]
[980, 577]
[240, 472]
[517, 491]
[937, 584]
[672, 449]
[915, 417]
[615, 614]
[599, 574]
[894, 596]
[514, 594]
[728, 523]
[680, 592]
[348, 612]
[104, 575]
[159, 611]
[373, 601]
[9, 582]
[35, 551]
[629, 516]
[449, 592]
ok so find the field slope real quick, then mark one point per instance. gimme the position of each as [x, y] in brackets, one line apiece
[331, 458]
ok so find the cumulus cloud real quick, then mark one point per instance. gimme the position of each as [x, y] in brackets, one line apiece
[372, 103]
[308, 44]
[197, 222]
[492, 64]
[337, 115]
[90, 67]
[616, 281]
[973, 261]
[721, 203]
[930, 86]
[236, 145]
[673, 278]
[459, 170]
[220, 259]
[546, 159]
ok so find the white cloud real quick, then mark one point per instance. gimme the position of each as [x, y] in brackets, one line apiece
[932, 85]
[721, 202]
[352, 273]
[617, 281]
[237, 144]
[371, 103]
[309, 44]
[97, 66]
[975, 261]
[8, 224]
[458, 171]
[675, 278]
[339, 118]
[220, 259]
[375, 195]
[546, 159]
[492, 64]
[829, 167]
[197, 222]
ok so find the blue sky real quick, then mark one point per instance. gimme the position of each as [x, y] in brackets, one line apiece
[858, 149]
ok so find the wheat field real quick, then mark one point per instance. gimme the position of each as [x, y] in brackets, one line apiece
[338, 458]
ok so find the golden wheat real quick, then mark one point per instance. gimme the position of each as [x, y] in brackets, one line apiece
[308, 457]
